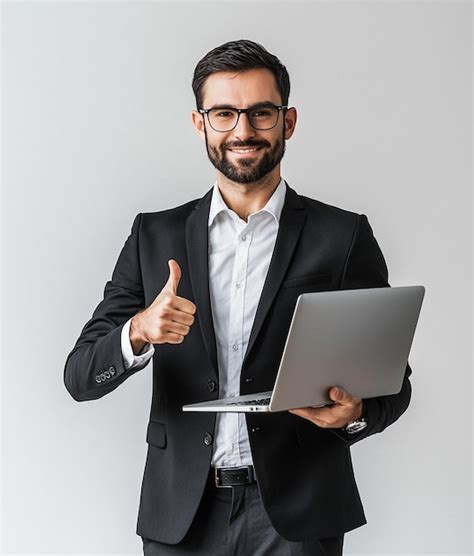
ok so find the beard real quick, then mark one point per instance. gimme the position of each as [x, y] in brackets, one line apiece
[246, 170]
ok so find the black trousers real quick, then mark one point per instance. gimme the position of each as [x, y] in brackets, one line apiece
[233, 522]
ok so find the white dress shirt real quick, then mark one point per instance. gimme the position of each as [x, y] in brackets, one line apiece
[239, 255]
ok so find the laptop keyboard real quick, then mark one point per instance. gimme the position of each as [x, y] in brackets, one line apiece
[261, 401]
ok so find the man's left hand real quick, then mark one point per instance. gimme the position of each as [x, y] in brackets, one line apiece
[348, 408]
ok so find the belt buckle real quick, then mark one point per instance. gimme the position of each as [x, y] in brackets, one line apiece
[216, 479]
[249, 472]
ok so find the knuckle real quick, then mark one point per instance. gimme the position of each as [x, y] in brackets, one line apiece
[160, 324]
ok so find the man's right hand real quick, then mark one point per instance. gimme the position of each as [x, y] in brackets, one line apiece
[167, 320]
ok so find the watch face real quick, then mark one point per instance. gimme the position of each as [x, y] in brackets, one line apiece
[356, 427]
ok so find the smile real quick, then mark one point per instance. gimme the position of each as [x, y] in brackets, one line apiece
[245, 151]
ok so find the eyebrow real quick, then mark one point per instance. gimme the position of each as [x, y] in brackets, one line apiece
[257, 105]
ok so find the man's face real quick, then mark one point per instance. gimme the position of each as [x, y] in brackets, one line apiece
[241, 90]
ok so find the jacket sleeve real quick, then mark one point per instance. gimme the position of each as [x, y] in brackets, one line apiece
[365, 268]
[95, 366]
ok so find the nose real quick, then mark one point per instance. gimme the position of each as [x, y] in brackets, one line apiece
[243, 130]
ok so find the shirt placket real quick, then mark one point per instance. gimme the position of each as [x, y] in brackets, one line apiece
[236, 325]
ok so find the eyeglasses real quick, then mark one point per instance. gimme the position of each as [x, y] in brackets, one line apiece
[261, 118]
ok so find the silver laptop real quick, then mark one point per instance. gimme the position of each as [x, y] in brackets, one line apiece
[356, 339]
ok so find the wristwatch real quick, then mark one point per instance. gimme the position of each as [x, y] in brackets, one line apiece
[355, 426]
[358, 424]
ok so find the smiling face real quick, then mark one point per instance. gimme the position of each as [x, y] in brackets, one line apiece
[241, 90]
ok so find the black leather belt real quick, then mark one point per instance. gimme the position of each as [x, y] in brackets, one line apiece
[225, 477]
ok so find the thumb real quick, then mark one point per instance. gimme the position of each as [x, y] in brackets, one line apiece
[174, 278]
[338, 395]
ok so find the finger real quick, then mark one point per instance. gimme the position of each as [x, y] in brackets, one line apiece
[184, 305]
[174, 277]
[175, 327]
[173, 338]
[170, 313]
[339, 395]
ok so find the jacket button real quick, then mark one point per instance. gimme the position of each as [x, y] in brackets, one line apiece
[102, 376]
[211, 385]
[111, 370]
[98, 379]
[207, 439]
[107, 374]
[248, 379]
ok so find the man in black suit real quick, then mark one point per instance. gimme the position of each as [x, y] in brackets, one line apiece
[229, 483]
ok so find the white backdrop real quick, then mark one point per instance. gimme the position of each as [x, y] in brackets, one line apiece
[97, 127]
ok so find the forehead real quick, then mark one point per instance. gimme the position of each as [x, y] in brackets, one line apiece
[240, 89]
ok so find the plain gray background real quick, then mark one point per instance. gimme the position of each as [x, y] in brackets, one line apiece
[97, 127]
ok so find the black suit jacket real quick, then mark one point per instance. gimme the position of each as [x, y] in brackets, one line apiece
[304, 472]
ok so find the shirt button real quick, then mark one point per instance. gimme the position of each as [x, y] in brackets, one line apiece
[235, 347]
[211, 385]
[237, 285]
[244, 237]
[207, 439]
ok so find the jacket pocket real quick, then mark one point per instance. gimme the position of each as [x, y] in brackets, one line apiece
[156, 434]
[312, 279]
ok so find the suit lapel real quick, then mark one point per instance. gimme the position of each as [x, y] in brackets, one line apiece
[292, 219]
[291, 223]
[197, 252]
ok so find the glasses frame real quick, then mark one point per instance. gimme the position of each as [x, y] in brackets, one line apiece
[243, 111]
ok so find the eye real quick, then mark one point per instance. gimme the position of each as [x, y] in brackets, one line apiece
[263, 113]
[224, 114]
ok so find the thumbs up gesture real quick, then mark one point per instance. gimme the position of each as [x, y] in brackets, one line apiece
[168, 319]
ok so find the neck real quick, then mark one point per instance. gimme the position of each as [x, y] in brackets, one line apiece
[246, 198]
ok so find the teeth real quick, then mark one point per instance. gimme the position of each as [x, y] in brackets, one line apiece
[243, 150]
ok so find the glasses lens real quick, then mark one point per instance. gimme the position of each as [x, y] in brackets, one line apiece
[263, 118]
[222, 119]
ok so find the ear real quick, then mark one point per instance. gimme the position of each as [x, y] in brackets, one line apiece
[198, 122]
[290, 121]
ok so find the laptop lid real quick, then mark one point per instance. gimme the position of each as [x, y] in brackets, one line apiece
[356, 339]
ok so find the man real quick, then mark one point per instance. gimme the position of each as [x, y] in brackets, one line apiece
[208, 290]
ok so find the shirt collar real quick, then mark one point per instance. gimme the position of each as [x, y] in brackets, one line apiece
[274, 205]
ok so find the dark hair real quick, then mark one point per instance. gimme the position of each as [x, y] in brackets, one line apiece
[239, 55]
